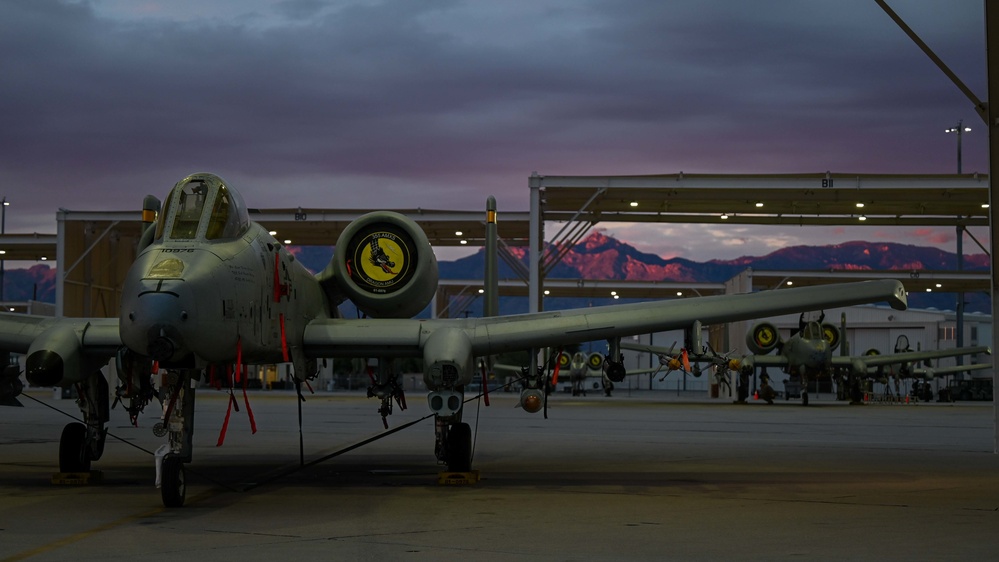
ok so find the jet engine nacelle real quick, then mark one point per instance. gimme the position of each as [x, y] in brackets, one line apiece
[832, 335]
[384, 264]
[54, 358]
[595, 361]
[763, 338]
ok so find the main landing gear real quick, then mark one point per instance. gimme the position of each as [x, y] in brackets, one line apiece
[82, 443]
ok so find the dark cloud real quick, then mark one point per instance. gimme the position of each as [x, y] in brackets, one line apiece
[437, 104]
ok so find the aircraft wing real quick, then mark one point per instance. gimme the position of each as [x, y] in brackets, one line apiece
[763, 361]
[910, 356]
[99, 336]
[658, 350]
[929, 372]
[338, 337]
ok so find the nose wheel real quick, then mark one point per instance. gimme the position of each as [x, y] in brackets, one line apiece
[173, 487]
[459, 447]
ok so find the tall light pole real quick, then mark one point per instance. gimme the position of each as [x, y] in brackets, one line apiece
[960, 129]
[3, 229]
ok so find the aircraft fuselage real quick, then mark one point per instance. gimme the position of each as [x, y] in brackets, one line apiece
[194, 300]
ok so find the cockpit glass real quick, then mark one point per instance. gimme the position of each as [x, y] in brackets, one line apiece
[228, 218]
[161, 220]
[812, 331]
[203, 207]
[189, 208]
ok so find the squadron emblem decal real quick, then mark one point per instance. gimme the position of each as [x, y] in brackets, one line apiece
[382, 261]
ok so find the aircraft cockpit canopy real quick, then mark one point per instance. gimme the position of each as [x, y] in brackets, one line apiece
[202, 207]
[812, 331]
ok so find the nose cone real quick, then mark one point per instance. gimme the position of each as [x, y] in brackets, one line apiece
[155, 321]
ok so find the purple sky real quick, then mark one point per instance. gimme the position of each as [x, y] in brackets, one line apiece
[437, 104]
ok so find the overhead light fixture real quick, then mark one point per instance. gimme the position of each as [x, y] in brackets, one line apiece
[547, 292]
[463, 242]
[724, 216]
[679, 293]
[862, 218]
[43, 258]
[634, 203]
[939, 285]
[616, 297]
[457, 233]
[287, 241]
[613, 293]
[860, 205]
[482, 291]
[929, 290]
[2, 252]
[789, 283]
[759, 203]
[985, 205]
[273, 233]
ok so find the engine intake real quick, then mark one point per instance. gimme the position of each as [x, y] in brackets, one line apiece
[762, 338]
[55, 358]
[384, 264]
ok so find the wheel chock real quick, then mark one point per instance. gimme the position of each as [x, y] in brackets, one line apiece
[77, 478]
[457, 478]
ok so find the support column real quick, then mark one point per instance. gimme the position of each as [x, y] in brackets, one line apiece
[992, 124]
[60, 281]
[535, 241]
[959, 325]
[490, 304]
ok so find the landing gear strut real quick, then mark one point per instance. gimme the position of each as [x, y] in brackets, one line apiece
[178, 424]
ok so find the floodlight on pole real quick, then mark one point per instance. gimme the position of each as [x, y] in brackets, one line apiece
[960, 129]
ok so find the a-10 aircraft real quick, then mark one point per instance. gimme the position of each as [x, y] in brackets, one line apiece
[808, 353]
[580, 366]
[211, 292]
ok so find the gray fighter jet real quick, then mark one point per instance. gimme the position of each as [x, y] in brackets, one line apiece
[211, 291]
[807, 353]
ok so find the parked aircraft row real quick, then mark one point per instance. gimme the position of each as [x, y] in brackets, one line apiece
[808, 354]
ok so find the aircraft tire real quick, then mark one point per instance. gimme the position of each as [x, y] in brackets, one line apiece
[173, 486]
[74, 455]
[459, 448]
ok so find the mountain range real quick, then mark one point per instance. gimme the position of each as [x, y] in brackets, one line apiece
[599, 256]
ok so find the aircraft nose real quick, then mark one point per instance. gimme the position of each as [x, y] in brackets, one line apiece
[157, 321]
[164, 341]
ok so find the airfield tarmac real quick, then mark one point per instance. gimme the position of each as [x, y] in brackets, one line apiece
[639, 476]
